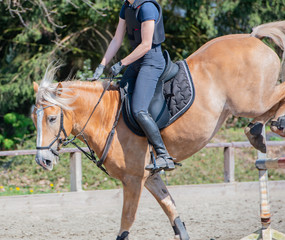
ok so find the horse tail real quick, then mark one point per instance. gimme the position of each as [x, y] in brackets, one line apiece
[276, 32]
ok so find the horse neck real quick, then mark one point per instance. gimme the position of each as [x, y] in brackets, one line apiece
[101, 122]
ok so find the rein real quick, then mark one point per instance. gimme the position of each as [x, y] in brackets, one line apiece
[91, 156]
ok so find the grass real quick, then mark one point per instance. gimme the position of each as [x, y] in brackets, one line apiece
[25, 190]
[21, 175]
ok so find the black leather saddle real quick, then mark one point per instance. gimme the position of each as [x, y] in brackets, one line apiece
[158, 108]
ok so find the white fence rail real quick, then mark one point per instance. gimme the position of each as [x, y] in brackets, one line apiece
[76, 166]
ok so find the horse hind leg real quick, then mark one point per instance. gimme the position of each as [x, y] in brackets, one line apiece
[158, 189]
[254, 129]
[276, 103]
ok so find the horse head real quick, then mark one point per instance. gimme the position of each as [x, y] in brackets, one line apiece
[53, 122]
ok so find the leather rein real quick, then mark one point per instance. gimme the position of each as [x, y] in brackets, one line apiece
[91, 156]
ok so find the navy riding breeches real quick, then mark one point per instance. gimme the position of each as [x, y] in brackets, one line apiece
[144, 74]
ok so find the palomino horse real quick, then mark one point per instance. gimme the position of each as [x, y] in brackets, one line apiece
[234, 74]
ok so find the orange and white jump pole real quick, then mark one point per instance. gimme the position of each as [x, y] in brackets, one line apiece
[266, 232]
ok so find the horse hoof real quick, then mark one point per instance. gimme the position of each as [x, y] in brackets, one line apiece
[124, 236]
[257, 141]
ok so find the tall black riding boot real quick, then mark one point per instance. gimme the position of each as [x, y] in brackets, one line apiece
[163, 159]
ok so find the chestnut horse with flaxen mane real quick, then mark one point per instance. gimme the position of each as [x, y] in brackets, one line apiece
[234, 74]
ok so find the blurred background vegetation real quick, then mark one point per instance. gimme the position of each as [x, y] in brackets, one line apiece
[77, 32]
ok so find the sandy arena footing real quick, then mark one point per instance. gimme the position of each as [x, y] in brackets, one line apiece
[213, 211]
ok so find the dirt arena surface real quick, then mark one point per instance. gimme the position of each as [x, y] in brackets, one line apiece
[215, 211]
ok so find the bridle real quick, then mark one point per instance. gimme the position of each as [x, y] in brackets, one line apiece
[91, 156]
[58, 138]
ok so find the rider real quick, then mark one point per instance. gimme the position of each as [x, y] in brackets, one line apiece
[142, 20]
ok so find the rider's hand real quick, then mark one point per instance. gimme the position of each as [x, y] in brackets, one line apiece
[98, 72]
[117, 68]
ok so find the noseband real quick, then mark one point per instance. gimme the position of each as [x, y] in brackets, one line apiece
[58, 137]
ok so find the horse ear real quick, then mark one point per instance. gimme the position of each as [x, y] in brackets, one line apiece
[59, 89]
[36, 87]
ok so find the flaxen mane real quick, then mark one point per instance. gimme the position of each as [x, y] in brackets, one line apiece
[63, 95]
[51, 93]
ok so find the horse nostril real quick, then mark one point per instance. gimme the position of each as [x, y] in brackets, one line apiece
[47, 162]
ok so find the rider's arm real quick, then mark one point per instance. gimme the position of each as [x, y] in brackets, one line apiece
[147, 30]
[116, 42]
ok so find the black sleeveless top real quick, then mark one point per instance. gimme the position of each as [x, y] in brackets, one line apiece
[134, 26]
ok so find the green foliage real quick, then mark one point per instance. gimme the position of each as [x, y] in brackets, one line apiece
[188, 25]
[241, 15]
[8, 143]
[86, 72]
[276, 138]
[68, 30]
[237, 122]
[10, 118]
[14, 130]
[78, 32]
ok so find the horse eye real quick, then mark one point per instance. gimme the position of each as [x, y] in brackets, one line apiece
[52, 119]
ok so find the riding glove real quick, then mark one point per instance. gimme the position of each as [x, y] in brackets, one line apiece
[98, 72]
[117, 68]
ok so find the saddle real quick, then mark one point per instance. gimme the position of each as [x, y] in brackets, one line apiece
[174, 94]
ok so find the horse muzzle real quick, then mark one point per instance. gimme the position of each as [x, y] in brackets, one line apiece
[46, 159]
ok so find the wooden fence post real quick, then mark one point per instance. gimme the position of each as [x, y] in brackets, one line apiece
[229, 164]
[75, 172]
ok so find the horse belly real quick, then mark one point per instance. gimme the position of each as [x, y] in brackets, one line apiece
[195, 128]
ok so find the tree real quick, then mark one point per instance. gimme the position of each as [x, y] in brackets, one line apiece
[241, 15]
[34, 32]
[189, 24]
[77, 32]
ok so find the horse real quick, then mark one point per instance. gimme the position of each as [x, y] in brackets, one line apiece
[233, 74]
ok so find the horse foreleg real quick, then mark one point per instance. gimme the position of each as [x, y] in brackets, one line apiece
[158, 189]
[132, 186]
[254, 129]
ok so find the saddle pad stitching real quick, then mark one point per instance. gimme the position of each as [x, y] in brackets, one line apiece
[192, 90]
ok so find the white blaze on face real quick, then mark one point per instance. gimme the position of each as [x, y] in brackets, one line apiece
[40, 115]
